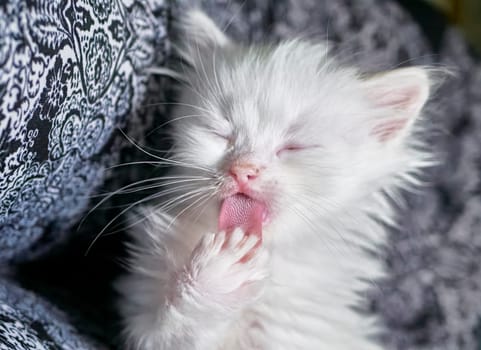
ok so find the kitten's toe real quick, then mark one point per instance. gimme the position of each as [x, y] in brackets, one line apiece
[240, 246]
[235, 238]
[250, 246]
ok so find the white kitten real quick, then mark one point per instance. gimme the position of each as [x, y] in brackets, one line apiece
[285, 162]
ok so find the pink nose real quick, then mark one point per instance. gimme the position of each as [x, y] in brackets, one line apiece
[244, 172]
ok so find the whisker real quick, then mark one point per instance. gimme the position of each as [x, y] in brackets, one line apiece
[96, 238]
[216, 79]
[172, 203]
[177, 104]
[205, 201]
[166, 72]
[236, 13]
[124, 188]
[150, 187]
[330, 245]
[164, 192]
[151, 198]
[166, 160]
[173, 121]
[187, 208]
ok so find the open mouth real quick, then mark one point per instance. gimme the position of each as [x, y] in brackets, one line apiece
[242, 211]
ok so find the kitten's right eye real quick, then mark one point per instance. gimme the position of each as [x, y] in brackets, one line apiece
[226, 137]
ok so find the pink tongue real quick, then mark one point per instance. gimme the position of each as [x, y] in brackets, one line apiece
[241, 211]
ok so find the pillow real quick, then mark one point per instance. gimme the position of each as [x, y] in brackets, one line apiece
[28, 322]
[71, 74]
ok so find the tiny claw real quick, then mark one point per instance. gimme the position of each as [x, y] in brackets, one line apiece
[250, 254]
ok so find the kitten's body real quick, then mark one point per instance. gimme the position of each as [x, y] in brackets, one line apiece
[328, 146]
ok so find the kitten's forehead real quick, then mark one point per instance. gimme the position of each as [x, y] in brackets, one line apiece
[259, 124]
[272, 108]
[282, 83]
[258, 100]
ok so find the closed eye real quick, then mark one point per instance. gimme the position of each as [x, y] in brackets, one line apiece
[225, 137]
[221, 135]
[294, 148]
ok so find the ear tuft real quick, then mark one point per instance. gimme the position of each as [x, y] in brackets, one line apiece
[400, 94]
[199, 35]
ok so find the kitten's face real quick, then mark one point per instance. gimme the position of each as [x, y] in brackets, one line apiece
[288, 127]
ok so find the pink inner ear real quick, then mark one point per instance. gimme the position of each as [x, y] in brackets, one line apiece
[388, 129]
[402, 99]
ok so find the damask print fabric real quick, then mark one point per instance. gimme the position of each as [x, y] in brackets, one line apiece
[73, 72]
[70, 74]
[29, 323]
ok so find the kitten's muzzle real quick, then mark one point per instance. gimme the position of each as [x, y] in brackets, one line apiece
[244, 172]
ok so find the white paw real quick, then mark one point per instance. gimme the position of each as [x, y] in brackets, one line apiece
[228, 270]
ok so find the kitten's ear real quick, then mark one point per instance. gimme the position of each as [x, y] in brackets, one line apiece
[400, 95]
[199, 36]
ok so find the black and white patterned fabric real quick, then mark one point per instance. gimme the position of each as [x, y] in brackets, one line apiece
[73, 73]
[29, 323]
[70, 74]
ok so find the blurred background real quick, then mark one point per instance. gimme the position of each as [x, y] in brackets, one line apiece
[465, 14]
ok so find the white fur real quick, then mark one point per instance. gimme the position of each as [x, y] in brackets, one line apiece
[327, 200]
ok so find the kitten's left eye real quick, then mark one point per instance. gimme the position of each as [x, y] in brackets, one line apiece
[292, 148]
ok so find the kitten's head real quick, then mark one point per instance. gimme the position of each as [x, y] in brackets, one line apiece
[287, 126]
